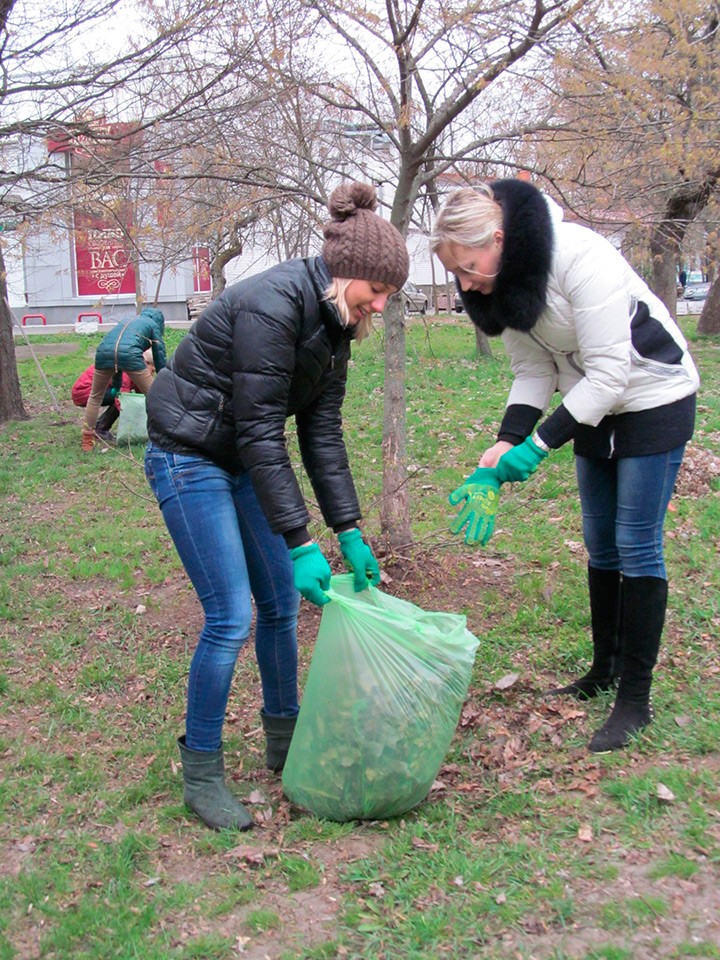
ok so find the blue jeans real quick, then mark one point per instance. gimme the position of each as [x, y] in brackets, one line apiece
[624, 503]
[228, 550]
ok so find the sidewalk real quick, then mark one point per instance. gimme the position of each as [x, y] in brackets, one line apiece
[45, 329]
[685, 307]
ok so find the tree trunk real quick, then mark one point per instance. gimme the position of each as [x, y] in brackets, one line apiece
[135, 261]
[665, 242]
[217, 267]
[395, 508]
[482, 344]
[681, 208]
[11, 403]
[709, 322]
[5, 10]
[217, 278]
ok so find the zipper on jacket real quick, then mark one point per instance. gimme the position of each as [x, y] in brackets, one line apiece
[570, 357]
[332, 361]
[117, 344]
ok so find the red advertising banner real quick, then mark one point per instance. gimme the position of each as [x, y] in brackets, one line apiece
[202, 281]
[101, 137]
[102, 263]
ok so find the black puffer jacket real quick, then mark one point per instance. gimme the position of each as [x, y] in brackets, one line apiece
[270, 347]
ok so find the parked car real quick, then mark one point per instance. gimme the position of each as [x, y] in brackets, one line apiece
[696, 291]
[415, 300]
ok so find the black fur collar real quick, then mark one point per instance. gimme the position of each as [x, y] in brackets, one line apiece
[519, 295]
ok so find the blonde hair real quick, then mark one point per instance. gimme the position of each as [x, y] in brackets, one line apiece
[335, 294]
[469, 217]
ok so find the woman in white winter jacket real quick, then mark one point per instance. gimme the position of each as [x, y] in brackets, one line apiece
[576, 319]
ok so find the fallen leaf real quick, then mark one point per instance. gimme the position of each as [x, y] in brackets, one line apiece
[504, 683]
[420, 844]
[589, 789]
[469, 715]
[665, 794]
[683, 721]
[585, 833]
[247, 853]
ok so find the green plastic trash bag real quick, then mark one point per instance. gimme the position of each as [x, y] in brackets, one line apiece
[381, 703]
[132, 424]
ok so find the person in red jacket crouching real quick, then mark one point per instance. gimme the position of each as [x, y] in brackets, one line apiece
[121, 383]
[81, 391]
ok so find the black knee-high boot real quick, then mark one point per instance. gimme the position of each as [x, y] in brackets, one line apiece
[643, 618]
[605, 588]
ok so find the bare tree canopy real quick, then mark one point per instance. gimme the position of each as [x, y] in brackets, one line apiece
[244, 117]
[97, 75]
[438, 82]
[637, 129]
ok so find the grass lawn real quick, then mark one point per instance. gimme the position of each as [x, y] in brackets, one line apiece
[527, 847]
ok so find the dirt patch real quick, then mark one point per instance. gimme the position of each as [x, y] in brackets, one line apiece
[699, 471]
[683, 912]
[24, 351]
[509, 734]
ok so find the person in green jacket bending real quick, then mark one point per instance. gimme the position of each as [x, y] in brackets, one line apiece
[121, 351]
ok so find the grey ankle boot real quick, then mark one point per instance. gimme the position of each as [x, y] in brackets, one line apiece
[206, 793]
[278, 734]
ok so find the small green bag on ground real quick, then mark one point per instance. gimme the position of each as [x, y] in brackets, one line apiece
[132, 424]
[382, 700]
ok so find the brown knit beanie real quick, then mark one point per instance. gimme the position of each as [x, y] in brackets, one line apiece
[359, 244]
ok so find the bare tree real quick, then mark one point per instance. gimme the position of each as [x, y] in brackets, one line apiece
[412, 71]
[11, 402]
[709, 321]
[170, 70]
[637, 124]
[255, 173]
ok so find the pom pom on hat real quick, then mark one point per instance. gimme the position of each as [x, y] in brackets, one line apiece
[359, 244]
[346, 199]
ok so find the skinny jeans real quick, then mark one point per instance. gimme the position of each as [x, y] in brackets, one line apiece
[230, 554]
[624, 504]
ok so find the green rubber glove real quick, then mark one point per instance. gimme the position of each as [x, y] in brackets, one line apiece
[359, 558]
[520, 462]
[311, 573]
[116, 384]
[481, 496]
